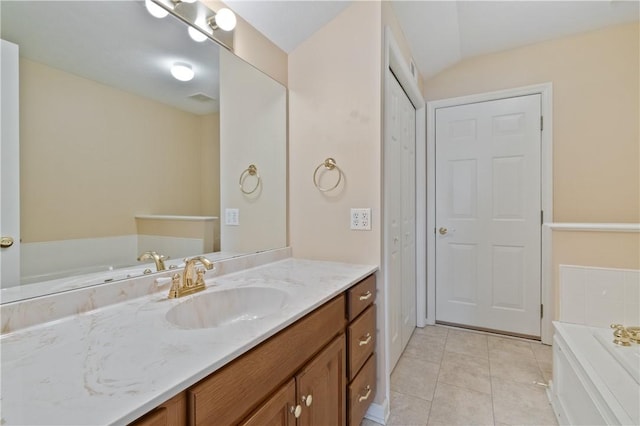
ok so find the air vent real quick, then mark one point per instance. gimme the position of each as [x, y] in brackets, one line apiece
[202, 97]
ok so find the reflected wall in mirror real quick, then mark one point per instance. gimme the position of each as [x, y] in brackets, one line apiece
[117, 157]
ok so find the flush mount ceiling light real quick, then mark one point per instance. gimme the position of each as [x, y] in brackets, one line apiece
[196, 35]
[182, 71]
[224, 19]
[155, 10]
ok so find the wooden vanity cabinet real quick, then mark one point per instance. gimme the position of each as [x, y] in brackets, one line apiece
[314, 397]
[172, 413]
[361, 342]
[321, 370]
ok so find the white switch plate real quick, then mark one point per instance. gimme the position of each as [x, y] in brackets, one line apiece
[232, 217]
[361, 219]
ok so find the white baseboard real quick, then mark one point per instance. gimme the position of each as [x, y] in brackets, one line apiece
[379, 413]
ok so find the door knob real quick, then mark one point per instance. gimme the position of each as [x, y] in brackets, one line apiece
[6, 242]
[442, 231]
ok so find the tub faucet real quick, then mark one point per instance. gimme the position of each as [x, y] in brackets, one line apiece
[157, 258]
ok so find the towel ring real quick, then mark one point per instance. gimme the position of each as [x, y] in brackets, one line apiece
[329, 164]
[252, 170]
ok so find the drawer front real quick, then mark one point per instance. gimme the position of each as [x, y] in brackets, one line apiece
[229, 394]
[361, 335]
[360, 296]
[362, 391]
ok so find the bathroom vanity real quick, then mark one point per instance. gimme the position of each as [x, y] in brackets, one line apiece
[302, 352]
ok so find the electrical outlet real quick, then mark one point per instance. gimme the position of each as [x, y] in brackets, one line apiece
[361, 219]
[232, 217]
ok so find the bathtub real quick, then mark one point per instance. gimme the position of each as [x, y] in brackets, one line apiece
[594, 382]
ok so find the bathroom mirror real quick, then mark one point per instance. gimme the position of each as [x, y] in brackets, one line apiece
[118, 157]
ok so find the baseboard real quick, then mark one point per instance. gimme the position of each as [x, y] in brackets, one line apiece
[379, 413]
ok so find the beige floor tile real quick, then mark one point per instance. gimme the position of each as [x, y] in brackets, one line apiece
[521, 404]
[433, 330]
[503, 345]
[467, 343]
[408, 410]
[415, 377]
[465, 371]
[457, 406]
[425, 347]
[542, 352]
[546, 368]
[517, 369]
[367, 422]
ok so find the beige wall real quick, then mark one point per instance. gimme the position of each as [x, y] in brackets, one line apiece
[596, 148]
[210, 171]
[335, 109]
[91, 160]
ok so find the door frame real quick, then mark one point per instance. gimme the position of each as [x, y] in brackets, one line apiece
[394, 59]
[545, 90]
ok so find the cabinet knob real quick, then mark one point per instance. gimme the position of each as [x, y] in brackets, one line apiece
[308, 399]
[296, 411]
[366, 395]
[365, 296]
[365, 340]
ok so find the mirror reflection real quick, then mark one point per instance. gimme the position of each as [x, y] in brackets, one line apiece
[120, 156]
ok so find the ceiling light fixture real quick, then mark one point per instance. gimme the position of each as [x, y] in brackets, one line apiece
[224, 19]
[182, 71]
[155, 10]
[196, 35]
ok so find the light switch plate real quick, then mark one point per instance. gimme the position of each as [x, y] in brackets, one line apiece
[232, 217]
[361, 219]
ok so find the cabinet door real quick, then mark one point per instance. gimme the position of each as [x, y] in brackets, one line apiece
[321, 387]
[278, 410]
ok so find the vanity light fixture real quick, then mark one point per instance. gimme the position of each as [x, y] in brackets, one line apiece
[196, 35]
[182, 71]
[224, 19]
[155, 10]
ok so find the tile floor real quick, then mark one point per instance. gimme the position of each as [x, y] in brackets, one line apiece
[449, 376]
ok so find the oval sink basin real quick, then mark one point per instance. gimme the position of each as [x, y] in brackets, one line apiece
[226, 307]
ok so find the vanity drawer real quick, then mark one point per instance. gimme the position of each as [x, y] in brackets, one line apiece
[360, 296]
[229, 394]
[362, 391]
[171, 413]
[361, 340]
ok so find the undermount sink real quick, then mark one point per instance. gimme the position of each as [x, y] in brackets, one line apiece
[226, 307]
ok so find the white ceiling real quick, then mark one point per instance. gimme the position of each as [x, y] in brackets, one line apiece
[442, 33]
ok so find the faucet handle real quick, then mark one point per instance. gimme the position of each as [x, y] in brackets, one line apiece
[200, 277]
[174, 291]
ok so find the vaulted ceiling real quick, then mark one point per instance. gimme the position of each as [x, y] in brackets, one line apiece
[442, 33]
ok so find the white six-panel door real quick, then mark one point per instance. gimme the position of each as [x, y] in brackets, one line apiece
[400, 225]
[488, 206]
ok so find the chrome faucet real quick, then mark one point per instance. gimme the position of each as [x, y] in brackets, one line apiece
[189, 285]
[157, 258]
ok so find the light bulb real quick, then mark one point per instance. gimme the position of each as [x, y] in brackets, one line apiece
[225, 19]
[155, 10]
[196, 35]
[182, 71]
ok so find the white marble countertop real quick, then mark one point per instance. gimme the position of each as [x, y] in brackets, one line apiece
[114, 364]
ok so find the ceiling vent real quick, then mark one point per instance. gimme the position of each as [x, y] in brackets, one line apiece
[202, 97]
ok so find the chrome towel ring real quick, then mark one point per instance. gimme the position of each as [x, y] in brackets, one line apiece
[252, 170]
[328, 164]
